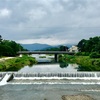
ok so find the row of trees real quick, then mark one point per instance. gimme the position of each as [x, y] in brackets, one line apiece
[90, 47]
[60, 48]
[86, 47]
[9, 48]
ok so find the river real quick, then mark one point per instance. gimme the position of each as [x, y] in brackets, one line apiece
[48, 90]
[45, 64]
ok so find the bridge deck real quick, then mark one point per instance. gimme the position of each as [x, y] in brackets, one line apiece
[45, 52]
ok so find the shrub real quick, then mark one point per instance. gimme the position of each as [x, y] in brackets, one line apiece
[82, 54]
[16, 63]
[94, 55]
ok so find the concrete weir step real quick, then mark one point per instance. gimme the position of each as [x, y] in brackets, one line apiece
[67, 75]
[48, 77]
[10, 77]
[6, 78]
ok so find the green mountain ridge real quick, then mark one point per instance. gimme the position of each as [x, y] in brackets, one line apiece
[38, 46]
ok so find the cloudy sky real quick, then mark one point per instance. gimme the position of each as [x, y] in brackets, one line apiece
[49, 21]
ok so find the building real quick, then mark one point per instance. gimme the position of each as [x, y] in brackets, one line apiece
[73, 49]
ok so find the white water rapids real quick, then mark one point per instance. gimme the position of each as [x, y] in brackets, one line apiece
[4, 80]
[53, 78]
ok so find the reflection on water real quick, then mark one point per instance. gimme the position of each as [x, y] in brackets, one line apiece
[43, 58]
[63, 65]
[87, 68]
[49, 67]
[48, 91]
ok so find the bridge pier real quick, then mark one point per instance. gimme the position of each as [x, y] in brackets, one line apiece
[56, 58]
[46, 52]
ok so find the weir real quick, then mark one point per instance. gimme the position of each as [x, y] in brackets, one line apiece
[5, 78]
[34, 78]
[67, 75]
[95, 75]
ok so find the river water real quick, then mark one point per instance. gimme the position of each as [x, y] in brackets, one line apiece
[47, 91]
[45, 65]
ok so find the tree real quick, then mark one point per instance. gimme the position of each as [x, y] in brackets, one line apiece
[81, 45]
[63, 48]
[10, 48]
[0, 38]
[6, 51]
[97, 47]
[91, 45]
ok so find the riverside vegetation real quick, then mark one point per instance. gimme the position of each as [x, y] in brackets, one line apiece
[88, 56]
[9, 49]
[86, 63]
[17, 63]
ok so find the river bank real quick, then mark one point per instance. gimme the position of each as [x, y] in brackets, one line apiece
[86, 63]
[5, 58]
[16, 63]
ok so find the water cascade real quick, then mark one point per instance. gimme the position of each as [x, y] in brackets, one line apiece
[51, 78]
[68, 75]
[5, 78]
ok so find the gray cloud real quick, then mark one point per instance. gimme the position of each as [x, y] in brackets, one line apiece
[65, 21]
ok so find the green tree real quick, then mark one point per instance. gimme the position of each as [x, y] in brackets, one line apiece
[63, 48]
[10, 48]
[91, 45]
[0, 38]
[81, 45]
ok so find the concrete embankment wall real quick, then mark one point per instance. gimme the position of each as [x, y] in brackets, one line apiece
[10, 78]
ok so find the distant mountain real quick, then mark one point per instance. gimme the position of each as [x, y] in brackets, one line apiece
[35, 46]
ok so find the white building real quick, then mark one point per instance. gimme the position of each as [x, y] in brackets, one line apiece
[73, 49]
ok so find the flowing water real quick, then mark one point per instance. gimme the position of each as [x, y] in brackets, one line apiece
[46, 91]
[50, 82]
[45, 65]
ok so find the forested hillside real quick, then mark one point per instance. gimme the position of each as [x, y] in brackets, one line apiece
[9, 48]
[90, 47]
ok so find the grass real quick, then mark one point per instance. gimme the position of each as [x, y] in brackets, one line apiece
[86, 63]
[16, 63]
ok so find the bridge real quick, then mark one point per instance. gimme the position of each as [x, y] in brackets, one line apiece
[46, 52]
